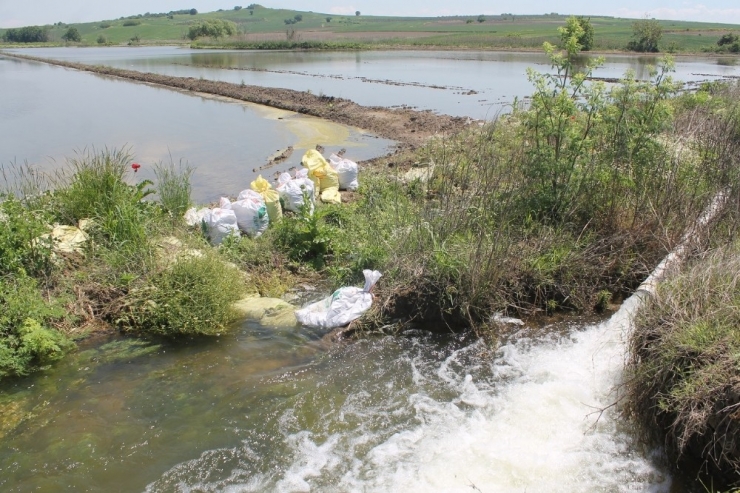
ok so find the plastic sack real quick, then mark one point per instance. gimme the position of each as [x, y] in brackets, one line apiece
[342, 307]
[224, 203]
[194, 217]
[251, 213]
[323, 175]
[346, 171]
[221, 223]
[291, 192]
[270, 196]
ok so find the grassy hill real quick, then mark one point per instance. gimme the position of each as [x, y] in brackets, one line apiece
[259, 24]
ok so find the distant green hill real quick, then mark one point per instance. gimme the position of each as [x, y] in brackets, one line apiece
[264, 27]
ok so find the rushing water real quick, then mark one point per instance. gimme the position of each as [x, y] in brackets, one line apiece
[261, 410]
[47, 113]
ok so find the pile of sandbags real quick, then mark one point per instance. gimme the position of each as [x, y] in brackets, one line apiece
[256, 207]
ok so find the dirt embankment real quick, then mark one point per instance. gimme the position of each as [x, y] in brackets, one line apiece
[409, 127]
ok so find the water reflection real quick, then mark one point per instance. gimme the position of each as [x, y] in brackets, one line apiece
[473, 84]
[47, 112]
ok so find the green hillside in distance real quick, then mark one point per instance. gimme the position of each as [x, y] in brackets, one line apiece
[260, 27]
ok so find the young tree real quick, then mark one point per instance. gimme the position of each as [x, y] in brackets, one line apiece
[647, 33]
[584, 30]
[357, 13]
[193, 11]
[72, 34]
[481, 18]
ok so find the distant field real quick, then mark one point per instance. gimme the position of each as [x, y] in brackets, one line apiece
[507, 31]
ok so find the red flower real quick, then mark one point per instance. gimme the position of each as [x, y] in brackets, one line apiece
[135, 166]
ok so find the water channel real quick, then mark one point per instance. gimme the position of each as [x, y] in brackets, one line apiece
[261, 409]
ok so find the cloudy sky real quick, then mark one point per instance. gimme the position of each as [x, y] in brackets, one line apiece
[15, 13]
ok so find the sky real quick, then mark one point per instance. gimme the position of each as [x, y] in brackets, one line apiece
[14, 13]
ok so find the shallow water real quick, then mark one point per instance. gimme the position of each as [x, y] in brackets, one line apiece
[261, 410]
[47, 113]
[477, 84]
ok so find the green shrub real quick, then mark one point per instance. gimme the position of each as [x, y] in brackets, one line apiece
[192, 297]
[25, 343]
[21, 248]
[131, 22]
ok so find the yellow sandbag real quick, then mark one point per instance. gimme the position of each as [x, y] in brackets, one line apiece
[320, 172]
[270, 196]
[331, 196]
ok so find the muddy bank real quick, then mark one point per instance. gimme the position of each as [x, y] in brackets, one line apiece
[409, 127]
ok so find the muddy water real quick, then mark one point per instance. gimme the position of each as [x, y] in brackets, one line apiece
[47, 113]
[471, 83]
[260, 410]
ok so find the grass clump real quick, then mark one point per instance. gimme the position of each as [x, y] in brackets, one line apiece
[684, 374]
[192, 297]
[173, 188]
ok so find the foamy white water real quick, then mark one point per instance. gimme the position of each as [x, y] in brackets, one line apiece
[525, 418]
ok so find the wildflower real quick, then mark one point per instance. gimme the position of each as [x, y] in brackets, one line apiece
[135, 166]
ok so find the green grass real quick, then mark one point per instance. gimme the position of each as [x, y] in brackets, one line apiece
[444, 32]
[684, 365]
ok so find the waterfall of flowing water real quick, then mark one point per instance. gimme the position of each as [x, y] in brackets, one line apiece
[527, 418]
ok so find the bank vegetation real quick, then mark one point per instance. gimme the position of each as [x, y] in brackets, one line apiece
[563, 205]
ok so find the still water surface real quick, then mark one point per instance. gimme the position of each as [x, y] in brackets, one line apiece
[47, 113]
[472, 83]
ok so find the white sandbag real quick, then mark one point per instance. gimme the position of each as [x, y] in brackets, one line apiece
[194, 217]
[221, 223]
[251, 213]
[224, 203]
[347, 171]
[342, 307]
[291, 192]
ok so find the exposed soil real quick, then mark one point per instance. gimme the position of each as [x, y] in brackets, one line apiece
[410, 128]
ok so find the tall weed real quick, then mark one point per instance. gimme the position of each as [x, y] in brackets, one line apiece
[173, 188]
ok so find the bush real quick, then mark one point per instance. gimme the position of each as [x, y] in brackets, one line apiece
[25, 343]
[214, 28]
[192, 297]
[102, 40]
[131, 22]
[30, 34]
[72, 35]
[21, 249]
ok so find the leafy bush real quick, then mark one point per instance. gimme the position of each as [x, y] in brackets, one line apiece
[25, 343]
[72, 35]
[30, 34]
[21, 248]
[192, 297]
[131, 22]
[216, 28]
